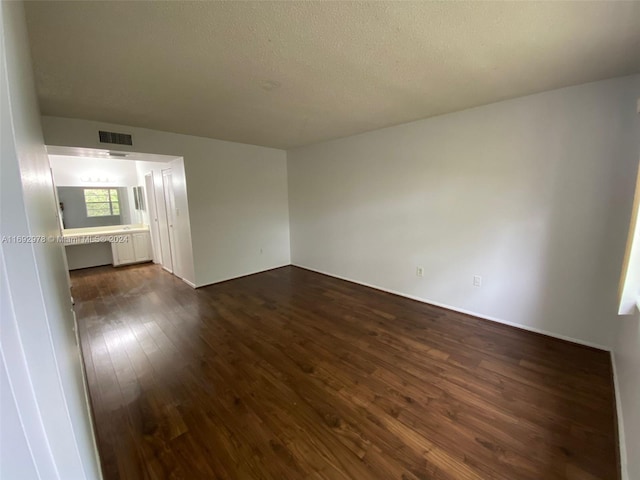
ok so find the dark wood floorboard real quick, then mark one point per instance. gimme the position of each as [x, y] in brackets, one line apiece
[289, 374]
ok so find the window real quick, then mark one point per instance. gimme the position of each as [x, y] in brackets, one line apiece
[101, 202]
[630, 281]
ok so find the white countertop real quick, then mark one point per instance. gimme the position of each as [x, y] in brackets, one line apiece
[79, 236]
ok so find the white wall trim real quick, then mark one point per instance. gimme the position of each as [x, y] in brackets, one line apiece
[622, 446]
[460, 310]
[85, 390]
[191, 284]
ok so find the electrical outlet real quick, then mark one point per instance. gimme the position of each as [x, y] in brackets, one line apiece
[420, 271]
[477, 281]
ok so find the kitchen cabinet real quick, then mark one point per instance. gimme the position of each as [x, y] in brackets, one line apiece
[141, 247]
[131, 248]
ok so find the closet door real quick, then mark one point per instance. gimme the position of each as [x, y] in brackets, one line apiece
[163, 227]
[170, 211]
[152, 209]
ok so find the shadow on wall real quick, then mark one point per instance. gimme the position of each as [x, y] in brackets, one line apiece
[589, 210]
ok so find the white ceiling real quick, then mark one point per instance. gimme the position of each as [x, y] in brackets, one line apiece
[285, 74]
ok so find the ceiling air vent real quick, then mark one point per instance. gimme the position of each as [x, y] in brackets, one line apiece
[115, 138]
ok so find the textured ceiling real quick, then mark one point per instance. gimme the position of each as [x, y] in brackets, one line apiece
[294, 73]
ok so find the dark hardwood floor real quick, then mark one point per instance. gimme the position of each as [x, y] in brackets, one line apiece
[289, 374]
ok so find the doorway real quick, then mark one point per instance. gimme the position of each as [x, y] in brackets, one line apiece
[153, 214]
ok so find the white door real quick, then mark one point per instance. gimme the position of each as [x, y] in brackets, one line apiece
[152, 209]
[170, 209]
[163, 228]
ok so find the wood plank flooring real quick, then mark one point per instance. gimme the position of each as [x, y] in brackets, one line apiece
[289, 374]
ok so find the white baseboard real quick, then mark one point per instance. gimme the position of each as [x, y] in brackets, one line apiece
[460, 310]
[621, 437]
[191, 284]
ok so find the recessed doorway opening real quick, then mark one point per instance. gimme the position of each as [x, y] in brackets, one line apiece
[120, 208]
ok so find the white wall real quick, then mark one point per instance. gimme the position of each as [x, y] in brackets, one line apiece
[37, 342]
[533, 194]
[236, 195]
[70, 171]
[627, 360]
